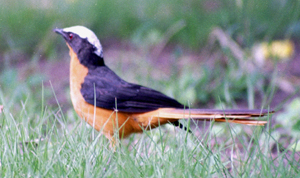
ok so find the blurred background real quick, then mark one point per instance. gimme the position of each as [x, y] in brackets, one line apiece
[205, 53]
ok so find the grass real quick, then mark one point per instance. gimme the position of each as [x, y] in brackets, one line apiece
[37, 140]
[45, 139]
[46, 144]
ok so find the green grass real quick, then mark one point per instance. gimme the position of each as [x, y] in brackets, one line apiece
[38, 140]
[44, 142]
[42, 139]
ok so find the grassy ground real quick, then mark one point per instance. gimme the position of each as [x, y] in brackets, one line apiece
[172, 46]
[49, 143]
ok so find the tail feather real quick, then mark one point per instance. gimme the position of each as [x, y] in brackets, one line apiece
[243, 121]
[231, 116]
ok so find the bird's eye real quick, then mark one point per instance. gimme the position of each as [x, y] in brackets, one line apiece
[70, 36]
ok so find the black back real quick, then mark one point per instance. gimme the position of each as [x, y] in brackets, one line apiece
[105, 89]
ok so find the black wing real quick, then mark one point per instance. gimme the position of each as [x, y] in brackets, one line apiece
[114, 93]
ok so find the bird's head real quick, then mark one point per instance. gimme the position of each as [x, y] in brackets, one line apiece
[84, 43]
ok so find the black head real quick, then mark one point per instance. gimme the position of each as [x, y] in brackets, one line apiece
[84, 43]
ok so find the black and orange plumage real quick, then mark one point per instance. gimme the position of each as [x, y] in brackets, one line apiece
[108, 103]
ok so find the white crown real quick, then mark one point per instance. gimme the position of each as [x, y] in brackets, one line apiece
[88, 34]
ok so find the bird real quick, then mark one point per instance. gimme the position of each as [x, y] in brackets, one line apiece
[112, 105]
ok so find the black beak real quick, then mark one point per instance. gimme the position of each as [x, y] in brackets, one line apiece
[61, 32]
[58, 30]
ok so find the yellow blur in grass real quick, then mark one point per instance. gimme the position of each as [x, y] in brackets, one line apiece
[280, 49]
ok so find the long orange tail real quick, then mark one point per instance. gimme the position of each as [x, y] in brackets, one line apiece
[231, 116]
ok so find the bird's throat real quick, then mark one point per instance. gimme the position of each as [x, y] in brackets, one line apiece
[77, 74]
